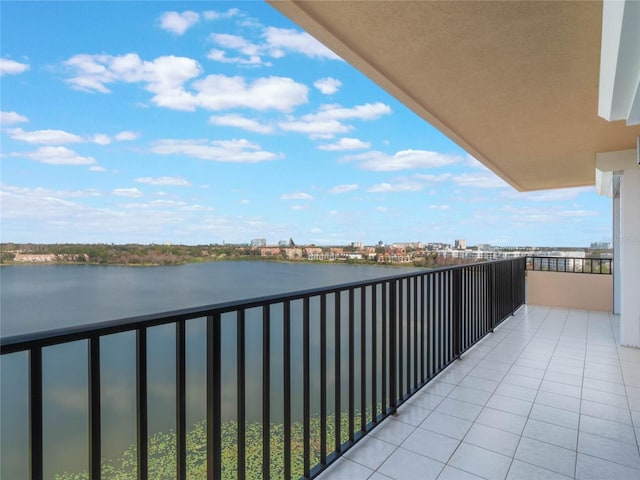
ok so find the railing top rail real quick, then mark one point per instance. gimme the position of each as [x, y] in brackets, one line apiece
[569, 258]
[45, 338]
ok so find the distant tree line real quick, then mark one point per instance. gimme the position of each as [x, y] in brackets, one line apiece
[169, 254]
[128, 254]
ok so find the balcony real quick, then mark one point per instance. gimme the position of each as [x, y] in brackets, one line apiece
[442, 374]
[549, 394]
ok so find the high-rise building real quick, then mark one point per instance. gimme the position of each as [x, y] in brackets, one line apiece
[461, 244]
[259, 242]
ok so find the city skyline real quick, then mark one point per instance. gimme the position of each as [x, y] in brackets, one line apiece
[149, 123]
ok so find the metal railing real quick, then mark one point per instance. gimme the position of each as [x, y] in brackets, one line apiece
[373, 343]
[571, 265]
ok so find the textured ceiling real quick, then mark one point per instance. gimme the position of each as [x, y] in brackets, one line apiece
[513, 83]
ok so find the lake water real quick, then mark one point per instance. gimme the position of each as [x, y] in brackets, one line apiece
[43, 297]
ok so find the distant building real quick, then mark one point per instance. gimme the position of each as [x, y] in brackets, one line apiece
[460, 245]
[357, 245]
[600, 245]
[259, 242]
[283, 243]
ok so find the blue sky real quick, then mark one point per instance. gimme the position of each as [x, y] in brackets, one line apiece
[144, 122]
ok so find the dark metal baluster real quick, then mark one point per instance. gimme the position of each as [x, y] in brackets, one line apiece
[385, 365]
[374, 352]
[95, 454]
[266, 392]
[142, 418]
[351, 365]
[423, 319]
[306, 387]
[35, 413]
[363, 359]
[181, 402]
[457, 278]
[415, 333]
[323, 379]
[393, 360]
[241, 387]
[400, 340]
[286, 329]
[214, 398]
[338, 376]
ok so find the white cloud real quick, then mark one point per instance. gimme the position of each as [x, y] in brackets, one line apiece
[315, 128]
[382, 209]
[9, 118]
[101, 139]
[163, 76]
[57, 156]
[282, 40]
[236, 151]
[47, 192]
[250, 50]
[210, 15]
[219, 92]
[48, 137]
[168, 181]
[179, 23]
[344, 188]
[438, 207]
[328, 85]
[299, 207]
[127, 192]
[479, 180]
[402, 160]
[218, 55]
[126, 136]
[345, 144]
[547, 195]
[11, 67]
[234, 120]
[296, 196]
[274, 43]
[97, 168]
[327, 122]
[429, 178]
[368, 111]
[403, 186]
[213, 15]
[577, 213]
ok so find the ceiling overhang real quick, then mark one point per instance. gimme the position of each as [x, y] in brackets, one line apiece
[513, 83]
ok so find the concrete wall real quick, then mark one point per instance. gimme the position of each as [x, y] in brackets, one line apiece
[570, 290]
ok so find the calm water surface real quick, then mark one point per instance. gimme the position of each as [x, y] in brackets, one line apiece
[43, 297]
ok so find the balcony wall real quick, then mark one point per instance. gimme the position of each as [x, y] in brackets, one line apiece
[570, 290]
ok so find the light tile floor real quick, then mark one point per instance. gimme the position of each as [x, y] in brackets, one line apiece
[548, 395]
